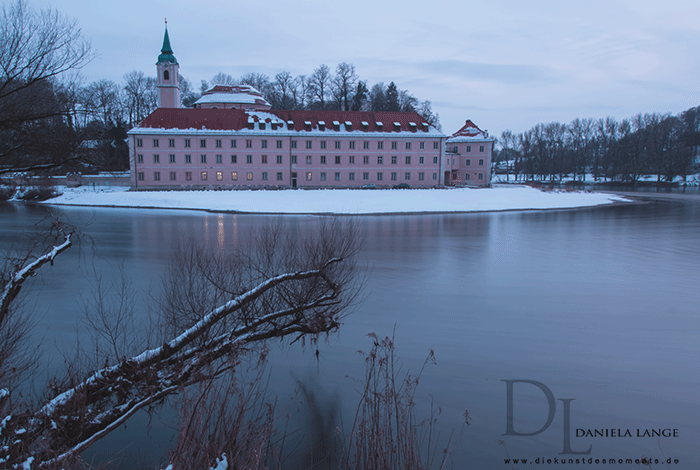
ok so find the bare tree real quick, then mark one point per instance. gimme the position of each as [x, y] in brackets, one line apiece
[216, 307]
[320, 83]
[36, 48]
[343, 84]
[284, 89]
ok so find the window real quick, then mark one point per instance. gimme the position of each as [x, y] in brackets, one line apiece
[469, 148]
[407, 176]
[337, 144]
[408, 146]
[249, 159]
[294, 159]
[203, 158]
[202, 143]
[394, 159]
[219, 159]
[188, 176]
[172, 158]
[139, 158]
[481, 162]
[279, 159]
[308, 176]
[435, 160]
[351, 176]
[308, 159]
[204, 176]
[219, 175]
[249, 176]
[323, 176]
[294, 144]
[248, 144]
[139, 142]
[421, 176]
[467, 176]
[408, 160]
[455, 149]
[279, 176]
[279, 144]
[187, 143]
[141, 176]
[380, 176]
[233, 143]
[323, 144]
[218, 143]
[166, 75]
[481, 176]
[393, 176]
[263, 159]
[394, 145]
[188, 158]
[421, 160]
[481, 148]
[468, 162]
[264, 144]
[234, 158]
[365, 176]
[337, 176]
[171, 143]
[352, 145]
[323, 159]
[436, 145]
[422, 145]
[337, 159]
[380, 160]
[155, 142]
[234, 176]
[380, 145]
[156, 158]
[365, 145]
[435, 176]
[365, 159]
[308, 144]
[351, 159]
[264, 175]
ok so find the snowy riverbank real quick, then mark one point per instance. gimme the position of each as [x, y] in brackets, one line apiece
[340, 201]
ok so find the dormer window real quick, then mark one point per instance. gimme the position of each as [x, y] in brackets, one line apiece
[336, 126]
[426, 127]
[365, 125]
[307, 125]
[380, 126]
[261, 126]
[397, 127]
[412, 126]
[251, 124]
[290, 125]
[348, 125]
[321, 125]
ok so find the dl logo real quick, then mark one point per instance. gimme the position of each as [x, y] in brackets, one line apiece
[550, 417]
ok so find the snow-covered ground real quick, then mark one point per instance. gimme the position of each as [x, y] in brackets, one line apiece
[690, 180]
[340, 201]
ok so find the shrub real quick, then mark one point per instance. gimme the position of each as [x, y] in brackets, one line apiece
[37, 193]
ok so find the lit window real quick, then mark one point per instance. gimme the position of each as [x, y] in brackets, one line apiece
[204, 176]
[234, 176]
[249, 176]
[308, 176]
[219, 175]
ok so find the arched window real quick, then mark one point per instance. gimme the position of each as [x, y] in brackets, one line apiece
[166, 75]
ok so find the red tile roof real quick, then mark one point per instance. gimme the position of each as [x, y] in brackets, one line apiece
[468, 129]
[237, 119]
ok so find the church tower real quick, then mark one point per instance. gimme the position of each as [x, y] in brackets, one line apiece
[168, 76]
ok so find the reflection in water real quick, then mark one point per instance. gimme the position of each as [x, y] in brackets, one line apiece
[598, 304]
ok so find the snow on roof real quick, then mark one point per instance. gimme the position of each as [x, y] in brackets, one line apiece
[397, 124]
[470, 132]
[348, 123]
[321, 123]
[336, 123]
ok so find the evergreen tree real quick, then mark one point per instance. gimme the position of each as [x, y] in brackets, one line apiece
[360, 96]
[392, 98]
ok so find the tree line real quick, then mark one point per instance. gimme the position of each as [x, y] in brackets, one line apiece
[604, 149]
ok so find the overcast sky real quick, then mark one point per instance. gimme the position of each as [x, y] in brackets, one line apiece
[505, 64]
